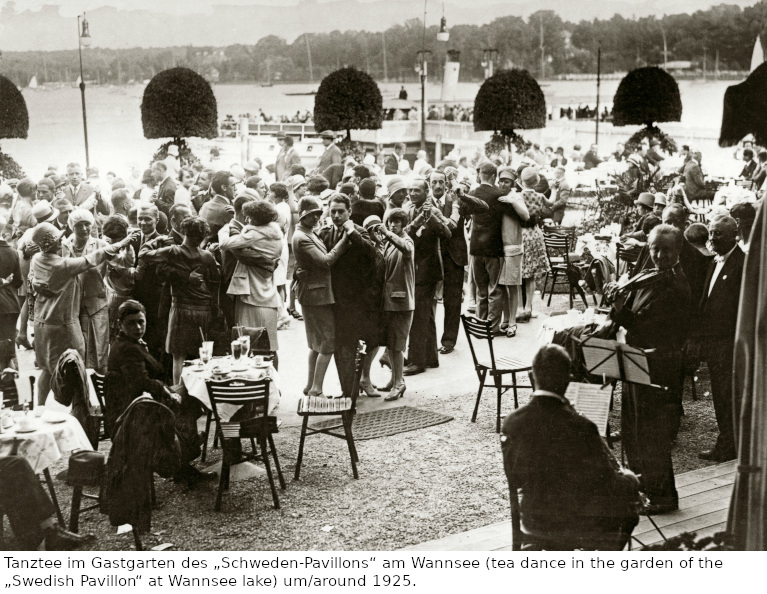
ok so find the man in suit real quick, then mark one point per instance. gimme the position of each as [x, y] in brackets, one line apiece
[486, 246]
[561, 193]
[218, 211]
[694, 181]
[456, 208]
[286, 158]
[166, 187]
[82, 195]
[571, 486]
[426, 227]
[352, 276]
[391, 164]
[719, 318]
[332, 154]
[655, 317]
[749, 164]
[591, 158]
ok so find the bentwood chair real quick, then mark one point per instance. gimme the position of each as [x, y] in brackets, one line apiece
[98, 382]
[253, 395]
[558, 254]
[343, 409]
[482, 330]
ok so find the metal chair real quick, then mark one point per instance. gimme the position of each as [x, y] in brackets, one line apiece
[98, 382]
[254, 395]
[558, 255]
[497, 368]
[344, 408]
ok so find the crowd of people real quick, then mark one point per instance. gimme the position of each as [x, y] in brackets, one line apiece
[135, 273]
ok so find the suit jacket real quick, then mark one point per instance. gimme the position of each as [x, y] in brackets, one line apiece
[84, 191]
[567, 480]
[284, 162]
[426, 236]
[748, 169]
[719, 310]
[9, 264]
[694, 182]
[314, 284]
[353, 272]
[486, 239]
[166, 195]
[391, 164]
[217, 212]
[331, 156]
[563, 191]
[457, 210]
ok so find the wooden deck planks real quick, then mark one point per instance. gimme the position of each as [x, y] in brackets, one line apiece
[704, 499]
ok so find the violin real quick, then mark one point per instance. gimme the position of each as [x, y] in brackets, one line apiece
[645, 279]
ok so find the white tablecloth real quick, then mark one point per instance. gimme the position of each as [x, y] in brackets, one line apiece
[194, 379]
[48, 443]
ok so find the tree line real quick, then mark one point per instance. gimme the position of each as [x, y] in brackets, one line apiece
[721, 37]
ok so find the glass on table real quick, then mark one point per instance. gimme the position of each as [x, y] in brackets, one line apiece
[245, 344]
[236, 350]
[204, 356]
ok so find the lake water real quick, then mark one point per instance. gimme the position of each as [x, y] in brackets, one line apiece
[117, 142]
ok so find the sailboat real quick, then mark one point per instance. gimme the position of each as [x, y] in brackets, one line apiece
[32, 82]
[757, 57]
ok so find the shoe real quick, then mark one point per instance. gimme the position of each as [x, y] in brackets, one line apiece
[413, 370]
[524, 317]
[283, 323]
[511, 331]
[446, 350]
[656, 509]
[58, 539]
[396, 393]
[23, 342]
[369, 390]
[715, 455]
[295, 314]
[472, 307]
[505, 326]
[615, 436]
[384, 361]
[499, 332]
[387, 387]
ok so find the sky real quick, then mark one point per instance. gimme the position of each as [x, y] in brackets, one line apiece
[74, 7]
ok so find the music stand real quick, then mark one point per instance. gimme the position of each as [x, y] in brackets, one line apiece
[616, 360]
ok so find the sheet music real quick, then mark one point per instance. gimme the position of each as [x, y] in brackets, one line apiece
[592, 401]
[635, 366]
[600, 357]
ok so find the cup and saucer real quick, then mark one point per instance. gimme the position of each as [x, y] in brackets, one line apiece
[259, 362]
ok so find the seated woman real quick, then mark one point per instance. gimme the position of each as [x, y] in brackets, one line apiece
[132, 371]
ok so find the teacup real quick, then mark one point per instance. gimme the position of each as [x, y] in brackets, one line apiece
[259, 360]
[25, 423]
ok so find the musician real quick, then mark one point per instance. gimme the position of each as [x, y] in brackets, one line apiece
[719, 317]
[572, 488]
[655, 317]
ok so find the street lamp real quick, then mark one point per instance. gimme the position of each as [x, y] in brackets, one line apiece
[489, 56]
[422, 66]
[83, 39]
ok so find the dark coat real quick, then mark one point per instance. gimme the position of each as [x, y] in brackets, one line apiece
[658, 317]
[362, 209]
[143, 442]
[166, 195]
[9, 264]
[426, 239]
[486, 237]
[719, 311]
[354, 271]
[131, 372]
[455, 246]
[567, 480]
[694, 265]
[70, 388]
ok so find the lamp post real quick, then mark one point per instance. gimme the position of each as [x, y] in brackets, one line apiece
[423, 56]
[83, 39]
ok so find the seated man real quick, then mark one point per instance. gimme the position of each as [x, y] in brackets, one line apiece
[573, 490]
[29, 509]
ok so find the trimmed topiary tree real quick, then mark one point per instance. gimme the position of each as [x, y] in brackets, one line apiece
[508, 101]
[348, 99]
[745, 110]
[179, 103]
[645, 97]
[14, 123]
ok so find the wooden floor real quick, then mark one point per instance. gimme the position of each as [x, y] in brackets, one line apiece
[704, 500]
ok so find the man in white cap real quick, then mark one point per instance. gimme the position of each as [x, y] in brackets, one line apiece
[332, 154]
